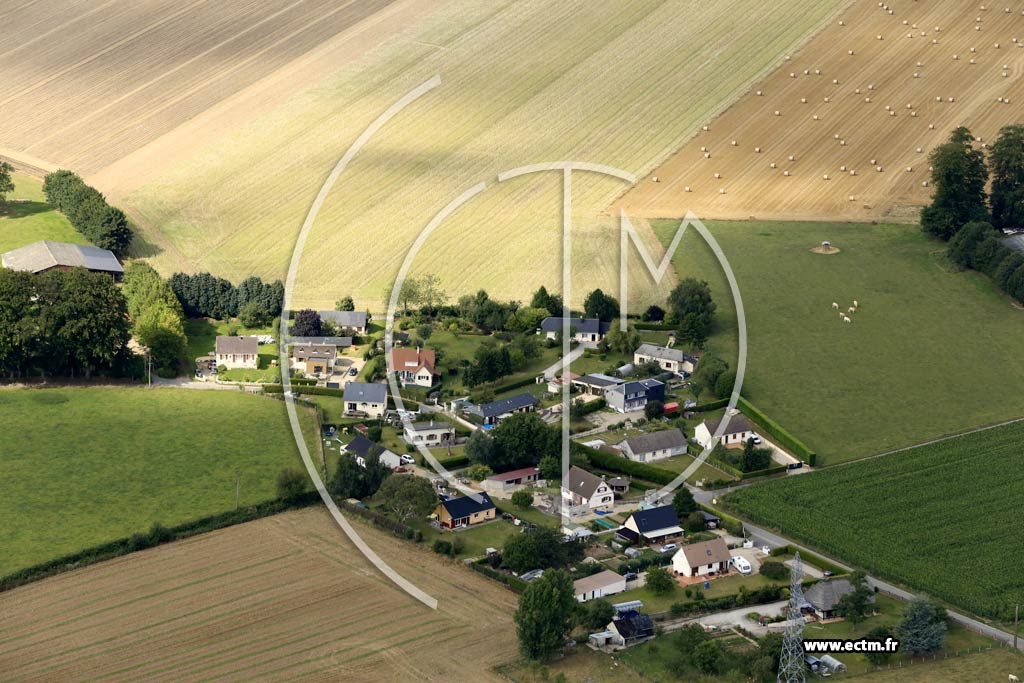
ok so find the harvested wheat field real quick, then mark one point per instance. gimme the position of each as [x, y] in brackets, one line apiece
[522, 82]
[843, 128]
[286, 598]
[89, 83]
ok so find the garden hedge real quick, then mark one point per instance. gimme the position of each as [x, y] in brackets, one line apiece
[777, 432]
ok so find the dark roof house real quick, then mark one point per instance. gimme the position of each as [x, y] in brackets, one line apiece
[652, 524]
[582, 325]
[466, 505]
[237, 345]
[353, 319]
[366, 392]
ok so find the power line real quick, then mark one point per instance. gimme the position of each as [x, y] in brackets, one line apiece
[791, 663]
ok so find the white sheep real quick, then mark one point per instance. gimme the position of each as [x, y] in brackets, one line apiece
[835, 305]
[851, 310]
[855, 304]
[845, 319]
[1014, 679]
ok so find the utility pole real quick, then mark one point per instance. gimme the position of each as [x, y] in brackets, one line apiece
[1016, 621]
[238, 488]
[149, 369]
[791, 662]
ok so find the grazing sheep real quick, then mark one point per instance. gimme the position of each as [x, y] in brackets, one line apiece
[835, 305]
[1014, 679]
[855, 304]
[851, 310]
[845, 319]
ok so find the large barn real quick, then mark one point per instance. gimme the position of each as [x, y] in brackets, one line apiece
[45, 255]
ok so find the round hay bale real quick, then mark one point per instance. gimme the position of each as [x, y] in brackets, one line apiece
[973, 50]
[815, 117]
[935, 41]
[817, 72]
[871, 86]
[759, 93]
[835, 81]
[905, 22]
[892, 113]
[757, 150]
[910, 35]
[707, 155]
[887, 107]
[972, 61]
[924, 183]
[931, 126]
[996, 45]
[913, 114]
[853, 171]
[778, 113]
[874, 161]
[879, 37]
[867, 99]
[772, 165]
[852, 198]
[849, 52]
[977, 28]
[686, 189]
[825, 177]
[920, 63]
[703, 148]
[856, 91]
[803, 100]
[910, 169]
[785, 173]
[843, 169]
[721, 190]
[950, 99]
[734, 143]
[955, 57]
[878, 168]
[792, 157]
[1006, 67]
[919, 150]
[917, 75]
[827, 99]
[842, 23]
[718, 176]
[792, 74]
[706, 128]
[910, 106]
[807, 72]
[842, 143]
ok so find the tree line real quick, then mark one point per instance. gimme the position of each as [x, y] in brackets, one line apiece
[970, 218]
[69, 323]
[253, 301]
[158, 321]
[88, 211]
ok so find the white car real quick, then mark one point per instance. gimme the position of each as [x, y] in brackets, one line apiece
[741, 564]
[668, 548]
[407, 460]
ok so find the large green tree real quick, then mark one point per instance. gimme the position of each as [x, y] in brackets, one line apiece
[601, 306]
[692, 311]
[683, 502]
[545, 614]
[408, 496]
[964, 244]
[6, 181]
[856, 605]
[922, 628]
[1006, 161]
[959, 175]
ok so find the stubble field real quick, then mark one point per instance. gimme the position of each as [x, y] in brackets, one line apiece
[522, 82]
[892, 73]
[285, 598]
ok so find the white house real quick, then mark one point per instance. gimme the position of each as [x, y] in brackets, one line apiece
[515, 480]
[237, 352]
[586, 331]
[654, 445]
[667, 358]
[346, 320]
[429, 433]
[581, 488]
[701, 559]
[364, 397]
[414, 366]
[736, 432]
[599, 585]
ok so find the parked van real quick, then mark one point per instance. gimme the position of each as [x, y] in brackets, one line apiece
[741, 564]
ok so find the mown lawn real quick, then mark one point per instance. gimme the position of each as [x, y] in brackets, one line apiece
[84, 466]
[929, 352]
[34, 220]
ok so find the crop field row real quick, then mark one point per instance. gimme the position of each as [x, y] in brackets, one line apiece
[522, 82]
[282, 598]
[135, 71]
[942, 518]
[842, 130]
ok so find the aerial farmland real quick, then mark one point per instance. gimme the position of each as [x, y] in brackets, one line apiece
[518, 341]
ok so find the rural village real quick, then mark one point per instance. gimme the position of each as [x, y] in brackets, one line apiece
[234, 423]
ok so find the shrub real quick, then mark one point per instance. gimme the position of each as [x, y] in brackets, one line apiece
[442, 547]
[522, 499]
[774, 570]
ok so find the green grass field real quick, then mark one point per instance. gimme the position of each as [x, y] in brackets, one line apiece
[24, 223]
[943, 518]
[85, 466]
[522, 82]
[930, 352]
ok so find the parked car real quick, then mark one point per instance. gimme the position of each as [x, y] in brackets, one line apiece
[669, 547]
[199, 373]
[756, 439]
[631, 576]
[407, 460]
[532, 575]
[213, 371]
[399, 470]
[353, 372]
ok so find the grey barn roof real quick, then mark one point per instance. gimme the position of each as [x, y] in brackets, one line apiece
[360, 392]
[582, 325]
[237, 345]
[43, 255]
[1015, 242]
[662, 352]
[636, 386]
[345, 318]
[656, 441]
[598, 380]
[825, 595]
